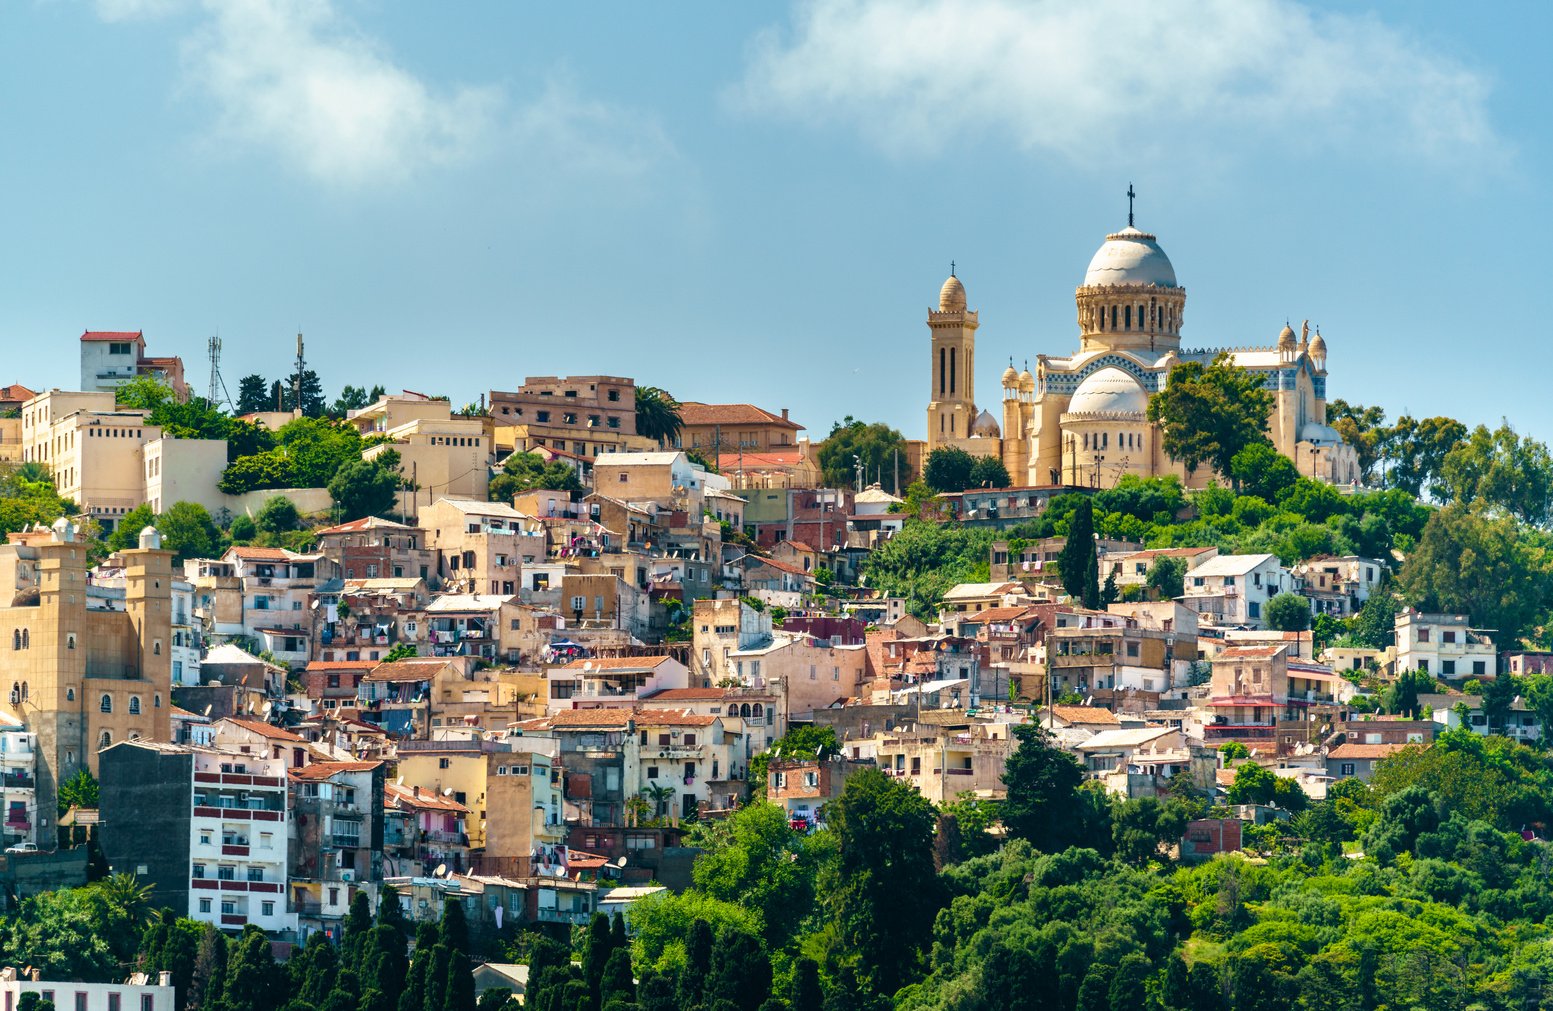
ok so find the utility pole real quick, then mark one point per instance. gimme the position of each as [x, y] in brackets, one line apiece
[217, 384]
[296, 382]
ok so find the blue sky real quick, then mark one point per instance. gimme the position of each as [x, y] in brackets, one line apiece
[758, 203]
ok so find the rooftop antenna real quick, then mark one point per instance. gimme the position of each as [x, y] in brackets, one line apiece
[1130, 196]
[216, 393]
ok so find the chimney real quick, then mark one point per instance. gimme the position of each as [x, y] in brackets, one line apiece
[164, 978]
[784, 414]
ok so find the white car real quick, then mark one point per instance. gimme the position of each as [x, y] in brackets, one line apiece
[25, 847]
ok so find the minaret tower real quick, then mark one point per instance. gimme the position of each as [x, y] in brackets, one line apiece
[952, 399]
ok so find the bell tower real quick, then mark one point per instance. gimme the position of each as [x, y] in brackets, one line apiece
[952, 397]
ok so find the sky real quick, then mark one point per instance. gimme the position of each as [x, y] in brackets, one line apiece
[757, 202]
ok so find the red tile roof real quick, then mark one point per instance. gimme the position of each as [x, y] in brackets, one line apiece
[605, 717]
[112, 335]
[782, 567]
[16, 393]
[688, 695]
[998, 614]
[727, 462]
[1367, 750]
[271, 731]
[407, 670]
[671, 718]
[693, 413]
[343, 664]
[406, 796]
[1249, 652]
[618, 663]
[1091, 715]
[323, 770]
[259, 554]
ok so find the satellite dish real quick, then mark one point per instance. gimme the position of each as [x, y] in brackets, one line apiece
[587, 665]
[621, 862]
[399, 781]
[441, 871]
[267, 707]
[208, 709]
[447, 791]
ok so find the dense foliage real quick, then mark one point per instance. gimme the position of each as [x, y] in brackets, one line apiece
[878, 448]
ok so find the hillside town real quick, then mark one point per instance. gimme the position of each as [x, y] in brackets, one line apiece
[274, 658]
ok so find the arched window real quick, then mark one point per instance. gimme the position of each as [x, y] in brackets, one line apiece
[744, 710]
[24, 691]
[16, 690]
[1113, 317]
[758, 710]
[943, 371]
[69, 694]
[156, 701]
[106, 704]
[134, 705]
[1127, 317]
[105, 740]
[26, 639]
[954, 357]
[156, 648]
[16, 638]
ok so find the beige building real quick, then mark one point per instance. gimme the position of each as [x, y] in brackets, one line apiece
[1081, 419]
[945, 759]
[718, 628]
[184, 470]
[481, 546]
[581, 415]
[83, 679]
[807, 675]
[715, 429]
[443, 456]
[92, 449]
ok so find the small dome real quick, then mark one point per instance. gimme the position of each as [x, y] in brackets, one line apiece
[1010, 377]
[951, 297]
[64, 530]
[1109, 390]
[1286, 338]
[1319, 434]
[1027, 381]
[1318, 346]
[150, 539]
[1131, 256]
[986, 427]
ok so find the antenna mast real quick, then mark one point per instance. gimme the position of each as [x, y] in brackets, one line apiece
[296, 380]
[217, 384]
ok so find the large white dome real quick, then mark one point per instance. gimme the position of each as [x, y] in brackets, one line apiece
[1110, 391]
[1130, 257]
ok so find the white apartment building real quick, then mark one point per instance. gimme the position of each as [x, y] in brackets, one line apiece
[1443, 645]
[139, 992]
[1235, 589]
[18, 785]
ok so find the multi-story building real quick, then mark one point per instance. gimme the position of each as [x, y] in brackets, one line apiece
[1338, 586]
[718, 628]
[369, 617]
[92, 449]
[807, 674]
[375, 548]
[1254, 687]
[138, 992]
[802, 787]
[398, 696]
[488, 626]
[581, 415]
[715, 429]
[600, 759]
[816, 516]
[206, 828]
[18, 782]
[945, 759]
[481, 547]
[1444, 645]
[442, 455]
[614, 681]
[111, 358]
[336, 837]
[1235, 589]
[423, 830]
[689, 762]
[84, 678]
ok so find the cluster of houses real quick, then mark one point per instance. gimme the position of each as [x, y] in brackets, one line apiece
[519, 705]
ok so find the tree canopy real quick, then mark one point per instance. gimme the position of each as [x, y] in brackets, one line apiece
[1209, 413]
[881, 449]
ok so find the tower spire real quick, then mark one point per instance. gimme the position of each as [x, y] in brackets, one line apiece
[1130, 196]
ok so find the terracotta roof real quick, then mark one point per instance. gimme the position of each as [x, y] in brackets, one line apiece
[782, 566]
[1093, 715]
[671, 718]
[688, 695]
[1249, 652]
[323, 770]
[413, 797]
[365, 523]
[271, 731]
[607, 717]
[619, 663]
[581, 860]
[343, 664]
[259, 554]
[407, 670]
[727, 462]
[112, 335]
[16, 392]
[1366, 750]
[997, 614]
[799, 546]
[693, 413]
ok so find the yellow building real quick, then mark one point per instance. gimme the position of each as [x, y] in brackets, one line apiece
[83, 679]
[1081, 419]
[92, 449]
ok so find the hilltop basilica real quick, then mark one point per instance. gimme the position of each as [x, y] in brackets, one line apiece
[1080, 419]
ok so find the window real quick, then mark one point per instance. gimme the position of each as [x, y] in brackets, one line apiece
[1447, 667]
[652, 772]
[105, 740]
[267, 908]
[134, 705]
[106, 704]
[1423, 635]
[198, 870]
[1447, 636]
[1423, 665]
[80, 1000]
[69, 694]
[1254, 609]
[113, 1002]
[1347, 769]
[147, 1002]
[1478, 667]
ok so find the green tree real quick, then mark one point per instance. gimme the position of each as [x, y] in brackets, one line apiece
[1142, 828]
[1042, 784]
[989, 472]
[1402, 696]
[366, 487]
[523, 472]
[1209, 413]
[1288, 612]
[1260, 470]
[1467, 563]
[126, 533]
[1078, 563]
[1167, 576]
[1416, 451]
[880, 448]
[253, 981]
[1374, 627]
[805, 992]
[253, 395]
[80, 790]
[1499, 470]
[657, 415]
[740, 977]
[882, 892]
[765, 867]
[188, 531]
[278, 515]
[948, 469]
[1363, 428]
[351, 398]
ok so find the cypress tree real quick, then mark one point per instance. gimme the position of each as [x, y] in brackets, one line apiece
[617, 983]
[357, 922]
[595, 952]
[804, 993]
[1078, 552]
[741, 973]
[617, 931]
[414, 996]
[314, 978]
[458, 987]
[253, 981]
[209, 969]
[698, 963]
[658, 992]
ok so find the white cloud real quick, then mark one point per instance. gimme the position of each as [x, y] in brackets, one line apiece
[297, 81]
[1105, 80]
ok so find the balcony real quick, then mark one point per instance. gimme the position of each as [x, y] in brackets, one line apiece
[578, 917]
[688, 751]
[234, 849]
[348, 842]
[233, 920]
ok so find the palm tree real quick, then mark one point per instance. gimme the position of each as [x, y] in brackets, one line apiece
[662, 797]
[657, 414]
[126, 892]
